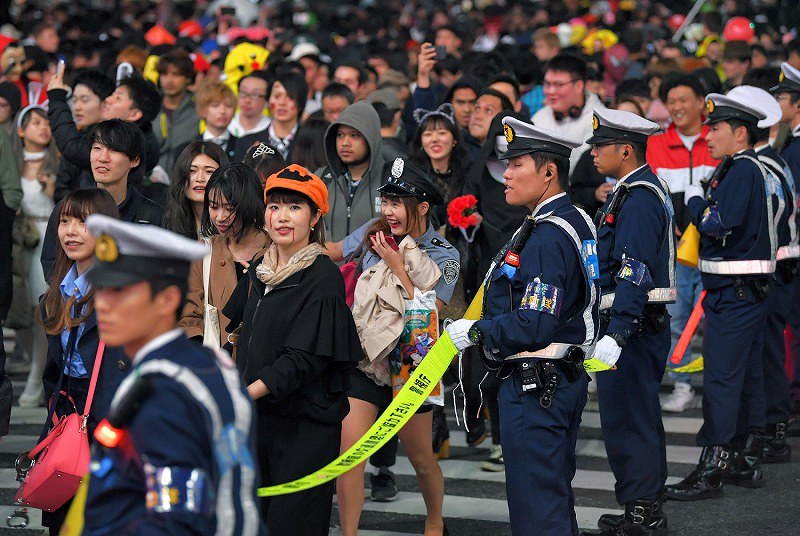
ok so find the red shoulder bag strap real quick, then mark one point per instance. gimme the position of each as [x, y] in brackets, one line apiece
[98, 361]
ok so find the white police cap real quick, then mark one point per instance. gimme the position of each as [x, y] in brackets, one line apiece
[524, 138]
[727, 107]
[617, 126]
[128, 253]
[760, 99]
[788, 80]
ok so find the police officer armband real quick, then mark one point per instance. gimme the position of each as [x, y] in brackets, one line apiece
[178, 490]
[589, 258]
[542, 297]
[636, 272]
[711, 223]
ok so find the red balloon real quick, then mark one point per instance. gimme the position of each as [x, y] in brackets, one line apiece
[738, 29]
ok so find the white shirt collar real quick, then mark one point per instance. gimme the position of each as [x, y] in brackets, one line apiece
[631, 173]
[156, 343]
[547, 201]
[208, 136]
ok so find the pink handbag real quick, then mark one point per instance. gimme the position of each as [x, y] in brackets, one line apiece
[60, 461]
[350, 275]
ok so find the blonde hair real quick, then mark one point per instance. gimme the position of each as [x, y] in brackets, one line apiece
[212, 92]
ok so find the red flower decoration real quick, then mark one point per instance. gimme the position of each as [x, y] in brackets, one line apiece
[461, 211]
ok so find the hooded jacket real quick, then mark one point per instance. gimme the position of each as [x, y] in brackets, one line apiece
[346, 216]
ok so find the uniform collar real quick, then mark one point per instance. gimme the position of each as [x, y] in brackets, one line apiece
[156, 343]
[632, 173]
[429, 234]
[208, 136]
[551, 203]
[74, 284]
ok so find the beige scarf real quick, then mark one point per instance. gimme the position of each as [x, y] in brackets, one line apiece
[269, 273]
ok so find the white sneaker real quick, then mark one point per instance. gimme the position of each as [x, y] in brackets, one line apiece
[494, 463]
[681, 398]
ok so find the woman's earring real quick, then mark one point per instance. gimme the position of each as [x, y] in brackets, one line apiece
[312, 228]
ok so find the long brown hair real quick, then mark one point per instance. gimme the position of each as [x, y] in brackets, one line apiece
[53, 311]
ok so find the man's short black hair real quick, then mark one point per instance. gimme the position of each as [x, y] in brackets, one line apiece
[449, 64]
[97, 82]
[673, 80]
[752, 129]
[261, 75]
[504, 102]
[793, 47]
[145, 97]
[464, 82]
[633, 87]
[507, 78]
[571, 64]
[713, 21]
[335, 89]
[561, 163]
[362, 72]
[121, 136]
[385, 114]
[762, 77]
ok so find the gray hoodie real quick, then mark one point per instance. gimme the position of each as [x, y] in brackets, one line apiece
[345, 216]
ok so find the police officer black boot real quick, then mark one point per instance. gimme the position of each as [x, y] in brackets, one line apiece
[705, 482]
[658, 520]
[639, 519]
[776, 449]
[745, 469]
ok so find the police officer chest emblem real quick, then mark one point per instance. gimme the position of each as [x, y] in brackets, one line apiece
[595, 122]
[509, 132]
[106, 249]
[397, 168]
[710, 106]
[450, 271]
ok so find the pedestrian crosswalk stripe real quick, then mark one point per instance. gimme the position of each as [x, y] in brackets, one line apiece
[478, 508]
[675, 453]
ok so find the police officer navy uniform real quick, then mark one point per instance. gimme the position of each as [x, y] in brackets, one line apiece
[176, 456]
[787, 91]
[779, 301]
[636, 252]
[734, 216]
[539, 321]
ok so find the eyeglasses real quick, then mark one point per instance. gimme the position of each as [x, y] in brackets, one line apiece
[557, 85]
[253, 96]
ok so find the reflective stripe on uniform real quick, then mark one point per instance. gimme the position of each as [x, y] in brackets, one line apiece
[657, 295]
[788, 252]
[744, 267]
[556, 350]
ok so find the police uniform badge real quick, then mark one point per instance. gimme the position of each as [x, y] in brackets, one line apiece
[781, 77]
[509, 133]
[106, 249]
[710, 106]
[397, 168]
[595, 122]
[450, 271]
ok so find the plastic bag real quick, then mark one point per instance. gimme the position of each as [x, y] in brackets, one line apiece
[420, 332]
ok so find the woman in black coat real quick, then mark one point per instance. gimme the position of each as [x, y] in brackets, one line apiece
[296, 344]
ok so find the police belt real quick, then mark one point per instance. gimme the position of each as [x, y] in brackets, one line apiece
[657, 295]
[788, 252]
[556, 350]
[744, 267]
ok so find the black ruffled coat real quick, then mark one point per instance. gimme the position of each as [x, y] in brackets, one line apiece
[300, 340]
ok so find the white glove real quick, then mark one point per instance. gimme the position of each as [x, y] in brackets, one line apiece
[458, 332]
[607, 351]
[692, 190]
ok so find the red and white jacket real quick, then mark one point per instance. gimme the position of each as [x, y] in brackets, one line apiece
[678, 167]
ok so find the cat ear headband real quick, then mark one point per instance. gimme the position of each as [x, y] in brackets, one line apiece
[445, 110]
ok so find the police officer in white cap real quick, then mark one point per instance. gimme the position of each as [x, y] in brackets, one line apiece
[779, 301]
[539, 321]
[734, 215]
[636, 251]
[177, 438]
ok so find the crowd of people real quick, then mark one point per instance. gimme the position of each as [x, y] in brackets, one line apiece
[315, 152]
